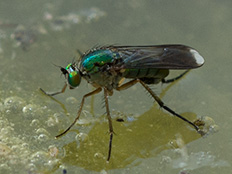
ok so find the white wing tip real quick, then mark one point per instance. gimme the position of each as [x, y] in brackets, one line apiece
[199, 59]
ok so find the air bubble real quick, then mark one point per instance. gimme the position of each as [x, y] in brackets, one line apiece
[41, 131]
[13, 104]
[42, 137]
[25, 145]
[34, 123]
[31, 167]
[81, 137]
[39, 157]
[71, 100]
[98, 155]
[28, 109]
[53, 151]
[52, 121]
[4, 149]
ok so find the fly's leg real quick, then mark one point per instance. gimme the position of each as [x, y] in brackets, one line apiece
[162, 105]
[80, 109]
[159, 101]
[127, 85]
[55, 93]
[175, 78]
[110, 122]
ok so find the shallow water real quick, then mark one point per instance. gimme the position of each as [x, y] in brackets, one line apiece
[34, 35]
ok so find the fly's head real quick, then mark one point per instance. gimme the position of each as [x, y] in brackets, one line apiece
[72, 75]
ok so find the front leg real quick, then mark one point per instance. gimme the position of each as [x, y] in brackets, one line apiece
[55, 93]
[80, 109]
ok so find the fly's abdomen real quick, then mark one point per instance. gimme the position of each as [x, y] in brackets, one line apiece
[151, 74]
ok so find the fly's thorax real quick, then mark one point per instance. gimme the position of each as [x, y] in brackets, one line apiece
[96, 60]
[96, 67]
[103, 79]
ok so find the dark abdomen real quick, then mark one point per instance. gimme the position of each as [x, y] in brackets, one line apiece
[149, 75]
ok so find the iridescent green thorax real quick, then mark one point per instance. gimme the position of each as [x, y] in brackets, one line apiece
[97, 66]
[92, 61]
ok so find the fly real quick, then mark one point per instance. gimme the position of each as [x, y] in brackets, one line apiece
[106, 67]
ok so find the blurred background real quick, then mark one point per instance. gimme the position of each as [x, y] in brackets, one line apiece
[35, 35]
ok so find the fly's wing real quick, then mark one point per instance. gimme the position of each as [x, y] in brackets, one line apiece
[161, 56]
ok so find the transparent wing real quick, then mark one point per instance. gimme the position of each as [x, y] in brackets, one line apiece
[160, 56]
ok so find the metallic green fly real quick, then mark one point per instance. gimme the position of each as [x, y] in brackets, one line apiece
[106, 67]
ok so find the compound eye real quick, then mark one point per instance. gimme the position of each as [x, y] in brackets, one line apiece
[74, 79]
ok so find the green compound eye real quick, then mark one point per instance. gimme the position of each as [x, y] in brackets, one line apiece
[74, 77]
